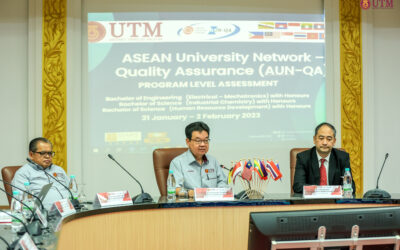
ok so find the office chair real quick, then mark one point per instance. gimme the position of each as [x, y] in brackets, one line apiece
[7, 174]
[162, 157]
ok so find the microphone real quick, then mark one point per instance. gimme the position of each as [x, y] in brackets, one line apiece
[30, 229]
[5, 242]
[378, 193]
[20, 201]
[20, 232]
[140, 198]
[33, 228]
[222, 166]
[43, 210]
[74, 202]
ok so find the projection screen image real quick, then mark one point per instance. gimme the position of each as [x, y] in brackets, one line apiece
[258, 78]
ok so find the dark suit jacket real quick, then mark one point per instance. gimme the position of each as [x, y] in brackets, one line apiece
[307, 169]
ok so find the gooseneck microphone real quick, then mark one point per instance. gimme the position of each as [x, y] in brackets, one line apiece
[379, 176]
[5, 242]
[378, 193]
[20, 201]
[140, 198]
[37, 198]
[223, 167]
[20, 232]
[34, 227]
[74, 202]
[30, 229]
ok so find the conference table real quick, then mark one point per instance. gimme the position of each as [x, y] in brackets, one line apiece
[183, 224]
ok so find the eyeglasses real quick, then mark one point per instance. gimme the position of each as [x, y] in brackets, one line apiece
[198, 141]
[50, 154]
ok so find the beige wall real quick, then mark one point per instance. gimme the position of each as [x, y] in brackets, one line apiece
[13, 84]
[386, 67]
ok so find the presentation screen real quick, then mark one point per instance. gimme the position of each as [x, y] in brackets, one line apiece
[256, 78]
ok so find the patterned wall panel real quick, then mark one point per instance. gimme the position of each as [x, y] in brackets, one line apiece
[54, 91]
[351, 86]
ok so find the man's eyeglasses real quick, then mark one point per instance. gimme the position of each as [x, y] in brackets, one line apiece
[198, 141]
[50, 154]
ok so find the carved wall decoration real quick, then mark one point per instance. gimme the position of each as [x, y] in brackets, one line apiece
[351, 87]
[54, 90]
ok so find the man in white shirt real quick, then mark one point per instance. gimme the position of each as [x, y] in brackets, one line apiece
[195, 168]
[41, 160]
[322, 164]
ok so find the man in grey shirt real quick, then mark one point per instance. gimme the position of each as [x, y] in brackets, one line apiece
[40, 160]
[195, 168]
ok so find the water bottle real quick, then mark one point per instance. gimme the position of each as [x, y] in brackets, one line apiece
[347, 184]
[73, 186]
[27, 199]
[171, 186]
[16, 210]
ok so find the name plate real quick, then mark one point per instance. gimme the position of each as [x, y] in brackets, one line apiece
[5, 218]
[26, 243]
[111, 199]
[213, 194]
[59, 210]
[63, 208]
[314, 191]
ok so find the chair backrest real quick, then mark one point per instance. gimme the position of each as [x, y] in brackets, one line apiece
[7, 174]
[162, 157]
[293, 155]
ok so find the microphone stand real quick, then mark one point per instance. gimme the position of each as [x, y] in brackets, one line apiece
[74, 202]
[32, 228]
[43, 210]
[140, 198]
[378, 193]
[6, 243]
[223, 167]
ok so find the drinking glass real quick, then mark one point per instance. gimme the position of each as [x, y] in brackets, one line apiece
[183, 193]
[82, 196]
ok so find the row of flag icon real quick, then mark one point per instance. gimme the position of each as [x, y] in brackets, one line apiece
[291, 25]
[245, 169]
[287, 35]
[289, 31]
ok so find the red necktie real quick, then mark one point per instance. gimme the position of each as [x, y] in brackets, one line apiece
[322, 172]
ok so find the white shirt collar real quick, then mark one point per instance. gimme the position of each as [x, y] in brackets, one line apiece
[320, 157]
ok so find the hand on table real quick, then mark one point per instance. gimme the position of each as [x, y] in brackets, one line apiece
[190, 192]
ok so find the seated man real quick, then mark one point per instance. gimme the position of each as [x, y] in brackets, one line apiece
[41, 156]
[322, 164]
[195, 168]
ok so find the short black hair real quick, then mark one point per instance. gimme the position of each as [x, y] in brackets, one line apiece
[34, 142]
[196, 126]
[325, 124]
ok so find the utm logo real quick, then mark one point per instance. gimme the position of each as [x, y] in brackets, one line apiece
[135, 29]
[188, 30]
[376, 4]
[96, 32]
[365, 4]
